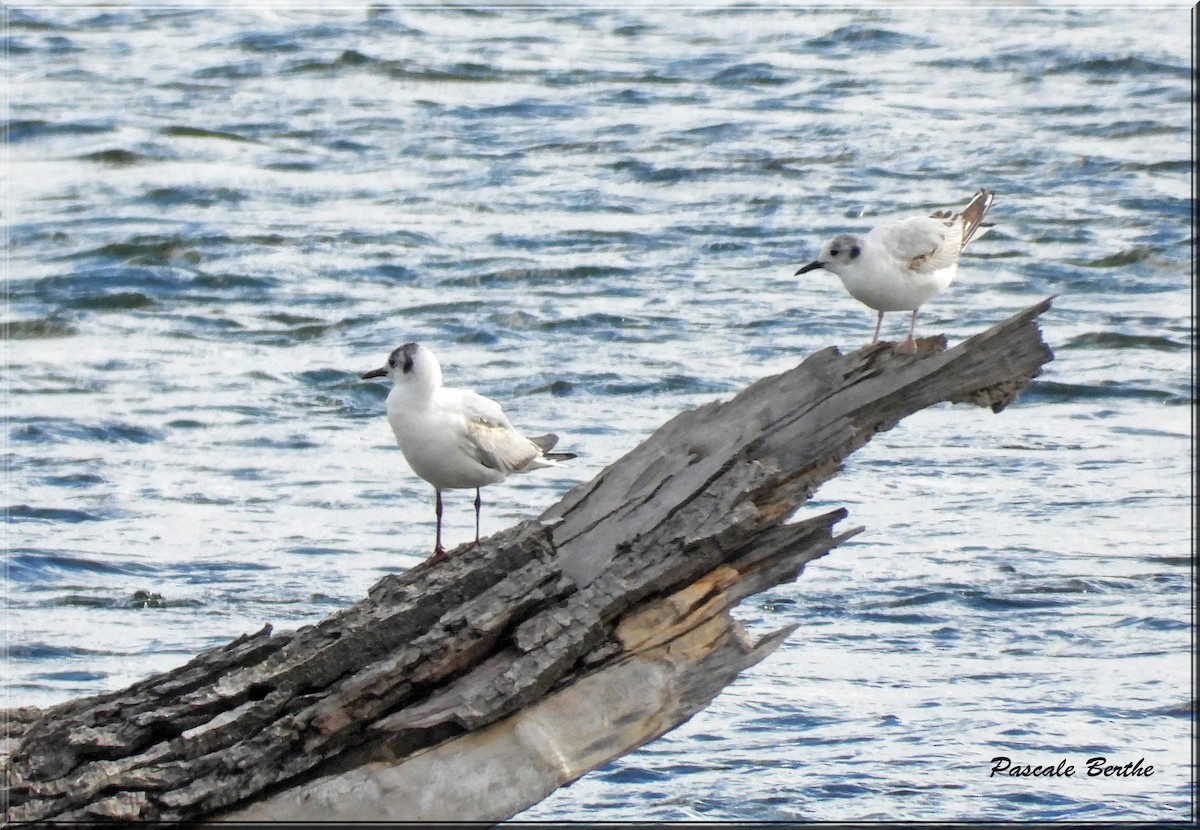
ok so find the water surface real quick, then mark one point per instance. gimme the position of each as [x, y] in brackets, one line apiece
[218, 218]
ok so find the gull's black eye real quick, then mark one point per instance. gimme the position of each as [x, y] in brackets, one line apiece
[833, 252]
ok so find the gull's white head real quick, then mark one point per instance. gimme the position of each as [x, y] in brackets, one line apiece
[839, 256]
[410, 367]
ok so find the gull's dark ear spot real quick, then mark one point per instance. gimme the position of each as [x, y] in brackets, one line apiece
[855, 251]
[408, 350]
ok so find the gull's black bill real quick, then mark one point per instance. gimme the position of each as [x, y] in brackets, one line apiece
[375, 373]
[812, 266]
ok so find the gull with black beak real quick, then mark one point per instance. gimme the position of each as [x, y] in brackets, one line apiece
[899, 265]
[454, 438]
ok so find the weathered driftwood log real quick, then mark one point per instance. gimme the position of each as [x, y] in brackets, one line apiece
[471, 688]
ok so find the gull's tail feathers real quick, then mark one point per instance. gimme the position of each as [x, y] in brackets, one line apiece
[972, 215]
[546, 443]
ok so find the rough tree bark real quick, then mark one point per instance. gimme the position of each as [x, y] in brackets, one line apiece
[471, 688]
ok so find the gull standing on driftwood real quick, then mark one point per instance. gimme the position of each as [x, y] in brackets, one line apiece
[901, 264]
[454, 438]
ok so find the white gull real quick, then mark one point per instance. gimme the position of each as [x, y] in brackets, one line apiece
[901, 264]
[454, 438]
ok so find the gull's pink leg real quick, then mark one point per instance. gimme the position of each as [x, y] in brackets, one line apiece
[909, 345]
[878, 326]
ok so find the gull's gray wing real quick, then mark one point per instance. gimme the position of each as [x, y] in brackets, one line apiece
[492, 440]
[922, 244]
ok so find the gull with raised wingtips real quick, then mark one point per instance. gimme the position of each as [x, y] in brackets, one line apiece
[901, 264]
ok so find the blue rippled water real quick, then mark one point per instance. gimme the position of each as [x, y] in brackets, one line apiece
[216, 218]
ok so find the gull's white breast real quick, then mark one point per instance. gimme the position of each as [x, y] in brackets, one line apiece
[436, 442]
[903, 264]
[890, 289]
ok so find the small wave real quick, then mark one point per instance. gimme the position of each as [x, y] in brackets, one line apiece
[801, 167]
[44, 328]
[992, 602]
[1183, 709]
[344, 145]
[26, 513]
[635, 775]
[297, 441]
[1045, 799]
[843, 790]
[1119, 340]
[1164, 206]
[595, 321]
[465, 71]
[328, 378]
[70, 676]
[922, 598]
[180, 131]
[39, 566]
[230, 71]
[556, 388]
[15, 46]
[582, 241]
[1122, 68]
[115, 157]
[1174, 561]
[1154, 624]
[546, 276]
[669, 384]
[24, 19]
[1165, 166]
[902, 619]
[626, 98]
[140, 598]
[349, 58]
[51, 431]
[45, 651]
[1128, 256]
[527, 108]
[477, 337]
[296, 333]
[645, 172]
[1134, 129]
[102, 288]
[292, 166]
[116, 301]
[32, 129]
[73, 480]
[1056, 392]
[199, 196]
[1079, 586]
[144, 250]
[863, 37]
[271, 43]
[235, 282]
[443, 309]
[316, 550]
[755, 74]
[396, 274]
